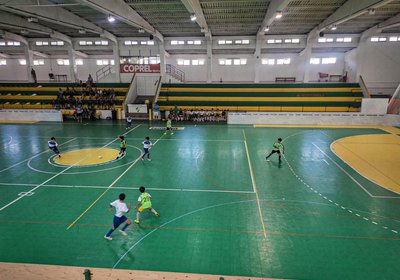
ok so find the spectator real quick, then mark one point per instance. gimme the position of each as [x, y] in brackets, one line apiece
[33, 74]
[89, 80]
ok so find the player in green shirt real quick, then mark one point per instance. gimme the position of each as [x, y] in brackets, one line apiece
[122, 146]
[277, 148]
[144, 201]
[169, 126]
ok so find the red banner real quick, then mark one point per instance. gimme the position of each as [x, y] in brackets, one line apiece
[139, 68]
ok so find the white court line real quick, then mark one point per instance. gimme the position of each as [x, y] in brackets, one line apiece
[166, 139]
[108, 188]
[351, 177]
[253, 181]
[326, 162]
[61, 172]
[129, 188]
[18, 163]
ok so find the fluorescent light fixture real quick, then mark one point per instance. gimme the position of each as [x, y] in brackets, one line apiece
[193, 17]
[141, 30]
[334, 27]
[278, 15]
[110, 18]
[266, 29]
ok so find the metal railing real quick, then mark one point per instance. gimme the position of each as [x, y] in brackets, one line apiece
[175, 72]
[364, 88]
[104, 72]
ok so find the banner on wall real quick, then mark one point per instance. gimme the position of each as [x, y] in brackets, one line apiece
[139, 68]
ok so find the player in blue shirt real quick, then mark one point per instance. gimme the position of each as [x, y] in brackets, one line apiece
[53, 145]
[146, 147]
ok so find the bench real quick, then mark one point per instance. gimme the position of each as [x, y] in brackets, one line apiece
[285, 80]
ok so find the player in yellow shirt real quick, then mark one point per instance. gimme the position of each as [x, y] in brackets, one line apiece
[169, 126]
[144, 201]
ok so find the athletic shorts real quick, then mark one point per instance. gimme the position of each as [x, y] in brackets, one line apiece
[146, 150]
[141, 208]
[54, 149]
[122, 149]
[276, 151]
[119, 220]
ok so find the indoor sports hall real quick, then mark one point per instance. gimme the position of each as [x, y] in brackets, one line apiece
[266, 134]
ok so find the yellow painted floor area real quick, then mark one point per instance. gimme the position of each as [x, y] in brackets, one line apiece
[376, 157]
[83, 157]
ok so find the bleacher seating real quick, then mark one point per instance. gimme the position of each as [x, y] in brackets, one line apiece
[316, 97]
[42, 95]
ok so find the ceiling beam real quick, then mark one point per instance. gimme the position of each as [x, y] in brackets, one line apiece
[14, 37]
[273, 7]
[349, 10]
[125, 13]
[46, 11]
[194, 7]
[389, 23]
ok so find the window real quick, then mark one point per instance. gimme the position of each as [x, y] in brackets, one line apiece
[129, 43]
[315, 60]
[143, 42]
[63, 61]
[270, 41]
[12, 43]
[329, 60]
[374, 39]
[295, 41]
[228, 42]
[221, 42]
[245, 42]
[180, 61]
[197, 42]
[85, 43]
[238, 42]
[268, 61]
[281, 61]
[382, 39]
[190, 42]
[278, 41]
[201, 61]
[78, 62]
[150, 43]
[231, 61]
[347, 39]
[329, 40]
[186, 62]
[339, 40]
[3, 62]
[102, 62]
[287, 41]
[393, 39]
[38, 62]
[321, 40]
[39, 43]
[181, 42]
[22, 62]
[2, 43]
[103, 43]
[174, 42]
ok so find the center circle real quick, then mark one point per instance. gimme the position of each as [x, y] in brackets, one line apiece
[86, 157]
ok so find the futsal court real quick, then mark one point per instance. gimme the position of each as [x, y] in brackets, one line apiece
[330, 210]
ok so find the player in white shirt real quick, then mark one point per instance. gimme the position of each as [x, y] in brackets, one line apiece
[146, 148]
[53, 145]
[119, 218]
[128, 122]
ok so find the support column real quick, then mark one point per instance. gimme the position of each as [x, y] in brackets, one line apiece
[29, 62]
[116, 58]
[257, 57]
[162, 60]
[307, 57]
[209, 60]
[72, 65]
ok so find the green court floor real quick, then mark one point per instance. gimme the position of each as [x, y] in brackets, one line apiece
[311, 217]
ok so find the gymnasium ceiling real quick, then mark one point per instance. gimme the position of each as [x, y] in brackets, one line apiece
[171, 18]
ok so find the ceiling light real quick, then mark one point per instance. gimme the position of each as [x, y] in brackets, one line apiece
[266, 29]
[141, 30]
[110, 18]
[82, 31]
[371, 11]
[334, 27]
[278, 15]
[193, 17]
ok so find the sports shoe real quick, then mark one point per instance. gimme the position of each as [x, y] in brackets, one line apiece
[123, 232]
[136, 221]
[107, 237]
[172, 133]
[142, 159]
[149, 159]
[157, 215]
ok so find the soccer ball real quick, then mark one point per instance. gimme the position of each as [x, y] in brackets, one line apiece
[100, 157]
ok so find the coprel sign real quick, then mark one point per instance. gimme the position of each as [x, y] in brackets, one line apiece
[139, 68]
